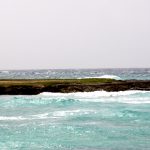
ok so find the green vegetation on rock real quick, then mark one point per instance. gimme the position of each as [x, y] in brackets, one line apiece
[53, 81]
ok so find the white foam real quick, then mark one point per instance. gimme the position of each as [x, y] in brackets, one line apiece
[20, 118]
[71, 112]
[95, 94]
[41, 116]
[51, 115]
[102, 96]
[5, 71]
[104, 77]
[12, 118]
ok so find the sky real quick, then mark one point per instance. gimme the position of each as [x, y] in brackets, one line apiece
[61, 34]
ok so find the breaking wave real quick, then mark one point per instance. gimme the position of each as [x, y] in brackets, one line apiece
[104, 77]
[95, 94]
[4, 72]
[134, 97]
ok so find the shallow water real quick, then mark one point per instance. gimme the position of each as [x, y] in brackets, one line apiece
[76, 121]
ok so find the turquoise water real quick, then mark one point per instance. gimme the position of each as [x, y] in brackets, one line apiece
[76, 121]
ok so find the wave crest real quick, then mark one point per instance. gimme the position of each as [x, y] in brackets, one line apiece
[95, 94]
[104, 77]
[132, 97]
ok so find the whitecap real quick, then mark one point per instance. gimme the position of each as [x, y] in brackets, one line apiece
[65, 113]
[95, 94]
[131, 96]
[41, 116]
[103, 77]
[20, 118]
[4, 71]
[12, 118]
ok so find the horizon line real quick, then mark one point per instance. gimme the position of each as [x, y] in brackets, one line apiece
[76, 68]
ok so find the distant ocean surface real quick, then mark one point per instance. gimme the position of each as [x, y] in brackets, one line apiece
[97, 120]
[143, 74]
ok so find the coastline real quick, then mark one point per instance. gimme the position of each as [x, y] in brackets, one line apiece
[34, 86]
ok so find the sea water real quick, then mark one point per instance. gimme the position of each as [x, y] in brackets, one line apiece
[141, 74]
[97, 120]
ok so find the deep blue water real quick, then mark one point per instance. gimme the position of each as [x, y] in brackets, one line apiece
[76, 73]
[77, 121]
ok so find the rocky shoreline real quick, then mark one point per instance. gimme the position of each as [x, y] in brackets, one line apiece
[33, 87]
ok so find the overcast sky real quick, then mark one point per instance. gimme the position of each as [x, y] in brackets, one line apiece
[44, 34]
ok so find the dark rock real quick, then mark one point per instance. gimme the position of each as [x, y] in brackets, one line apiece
[23, 88]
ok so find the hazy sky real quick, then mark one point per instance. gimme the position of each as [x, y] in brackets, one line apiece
[40, 34]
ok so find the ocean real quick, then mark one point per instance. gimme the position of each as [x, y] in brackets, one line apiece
[97, 120]
[124, 74]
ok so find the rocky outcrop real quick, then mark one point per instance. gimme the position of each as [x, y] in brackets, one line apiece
[24, 87]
